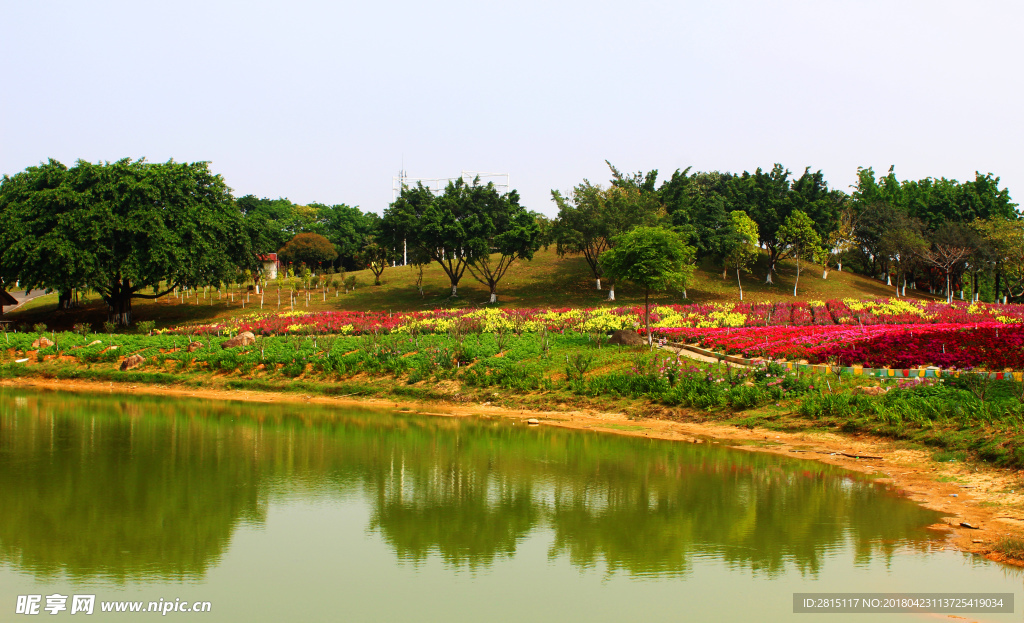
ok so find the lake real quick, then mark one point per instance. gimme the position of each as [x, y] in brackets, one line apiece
[274, 512]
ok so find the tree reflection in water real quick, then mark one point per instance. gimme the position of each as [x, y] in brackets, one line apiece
[140, 487]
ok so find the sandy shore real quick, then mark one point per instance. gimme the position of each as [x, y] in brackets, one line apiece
[989, 499]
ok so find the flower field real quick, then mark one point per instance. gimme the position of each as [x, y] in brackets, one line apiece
[874, 333]
[709, 316]
[990, 345]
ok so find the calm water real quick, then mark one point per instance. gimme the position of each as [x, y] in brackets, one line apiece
[292, 512]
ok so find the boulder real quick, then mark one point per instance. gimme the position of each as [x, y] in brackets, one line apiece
[626, 337]
[43, 342]
[132, 362]
[244, 338]
[194, 346]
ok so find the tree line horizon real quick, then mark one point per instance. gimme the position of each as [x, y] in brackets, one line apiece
[133, 229]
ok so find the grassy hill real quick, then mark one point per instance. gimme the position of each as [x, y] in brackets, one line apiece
[547, 281]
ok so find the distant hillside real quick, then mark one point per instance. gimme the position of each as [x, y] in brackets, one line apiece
[547, 281]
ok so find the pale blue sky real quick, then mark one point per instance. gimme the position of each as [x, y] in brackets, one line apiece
[321, 101]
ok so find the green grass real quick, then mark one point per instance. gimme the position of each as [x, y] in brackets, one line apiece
[546, 281]
[1010, 546]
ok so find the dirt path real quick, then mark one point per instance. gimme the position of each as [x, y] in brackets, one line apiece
[990, 499]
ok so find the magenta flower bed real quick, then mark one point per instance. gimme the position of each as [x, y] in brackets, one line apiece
[991, 345]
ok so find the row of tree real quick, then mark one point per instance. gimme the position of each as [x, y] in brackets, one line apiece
[133, 229]
[927, 232]
[275, 223]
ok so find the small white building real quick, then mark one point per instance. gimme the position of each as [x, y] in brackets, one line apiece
[269, 264]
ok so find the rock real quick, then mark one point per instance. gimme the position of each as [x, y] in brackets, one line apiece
[94, 342]
[43, 342]
[964, 524]
[533, 421]
[194, 346]
[626, 337]
[244, 338]
[131, 362]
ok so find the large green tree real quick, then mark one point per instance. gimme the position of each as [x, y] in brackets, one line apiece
[273, 222]
[127, 229]
[653, 258]
[766, 199]
[743, 250]
[589, 223]
[799, 240]
[513, 234]
[579, 228]
[349, 229]
[460, 228]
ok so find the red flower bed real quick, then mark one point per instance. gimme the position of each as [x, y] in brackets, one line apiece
[991, 345]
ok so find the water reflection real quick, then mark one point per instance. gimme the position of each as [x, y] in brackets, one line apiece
[140, 487]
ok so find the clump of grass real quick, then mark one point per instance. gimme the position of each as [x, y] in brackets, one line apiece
[1011, 547]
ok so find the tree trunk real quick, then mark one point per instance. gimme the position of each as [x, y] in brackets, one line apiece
[598, 283]
[739, 283]
[725, 272]
[611, 292]
[120, 309]
[64, 300]
[797, 281]
[840, 266]
[455, 289]
[824, 274]
[494, 297]
[771, 268]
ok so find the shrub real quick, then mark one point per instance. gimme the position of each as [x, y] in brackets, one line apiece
[39, 327]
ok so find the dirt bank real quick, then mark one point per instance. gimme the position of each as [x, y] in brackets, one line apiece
[989, 499]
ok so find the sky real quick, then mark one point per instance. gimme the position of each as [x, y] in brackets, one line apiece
[327, 101]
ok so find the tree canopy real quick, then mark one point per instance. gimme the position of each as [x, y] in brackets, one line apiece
[589, 221]
[462, 227]
[653, 258]
[308, 248]
[121, 228]
[743, 250]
